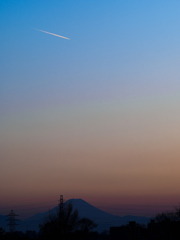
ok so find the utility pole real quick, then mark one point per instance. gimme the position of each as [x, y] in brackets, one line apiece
[61, 213]
[12, 221]
[61, 204]
[61, 208]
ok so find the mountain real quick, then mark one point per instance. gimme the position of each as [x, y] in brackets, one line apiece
[103, 219]
[3, 221]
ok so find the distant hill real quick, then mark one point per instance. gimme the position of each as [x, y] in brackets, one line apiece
[3, 221]
[103, 219]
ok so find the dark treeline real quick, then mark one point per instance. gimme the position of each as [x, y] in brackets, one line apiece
[66, 225]
[91, 235]
[165, 226]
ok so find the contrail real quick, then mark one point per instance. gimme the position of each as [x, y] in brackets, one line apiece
[51, 34]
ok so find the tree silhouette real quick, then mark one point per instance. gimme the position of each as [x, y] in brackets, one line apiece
[167, 225]
[65, 224]
[2, 233]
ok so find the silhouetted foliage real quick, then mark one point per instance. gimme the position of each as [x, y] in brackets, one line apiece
[85, 225]
[17, 235]
[167, 225]
[2, 231]
[130, 231]
[65, 224]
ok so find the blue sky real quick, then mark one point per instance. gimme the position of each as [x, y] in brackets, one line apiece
[111, 92]
[116, 48]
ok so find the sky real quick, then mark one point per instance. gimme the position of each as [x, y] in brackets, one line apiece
[94, 117]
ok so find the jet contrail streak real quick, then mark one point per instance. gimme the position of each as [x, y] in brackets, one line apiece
[51, 34]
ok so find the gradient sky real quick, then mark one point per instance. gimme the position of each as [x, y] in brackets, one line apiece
[96, 117]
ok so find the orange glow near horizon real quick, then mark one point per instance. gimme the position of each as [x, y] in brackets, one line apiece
[93, 151]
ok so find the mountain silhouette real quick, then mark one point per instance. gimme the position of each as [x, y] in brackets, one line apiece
[103, 219]
[3, 221]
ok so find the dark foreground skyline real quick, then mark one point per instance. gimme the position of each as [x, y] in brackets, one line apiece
[103, 219]
[76, 219]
